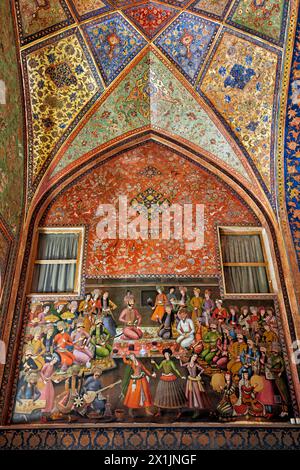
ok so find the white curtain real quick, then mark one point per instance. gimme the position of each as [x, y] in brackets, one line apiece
[244, 279]
[55, 277]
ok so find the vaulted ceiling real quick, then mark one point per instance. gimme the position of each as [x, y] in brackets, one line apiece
[205, 72]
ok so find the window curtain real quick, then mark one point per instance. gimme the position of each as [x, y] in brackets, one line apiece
[55, 277]
[244, 279]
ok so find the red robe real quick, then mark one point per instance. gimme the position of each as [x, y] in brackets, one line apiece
[138, 393]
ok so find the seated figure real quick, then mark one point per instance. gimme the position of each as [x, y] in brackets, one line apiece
[132, 320]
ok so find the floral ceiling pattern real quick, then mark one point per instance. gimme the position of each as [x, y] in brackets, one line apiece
[207, 72]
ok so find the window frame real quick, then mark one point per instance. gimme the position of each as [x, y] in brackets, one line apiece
[78, 261]
[239, 231]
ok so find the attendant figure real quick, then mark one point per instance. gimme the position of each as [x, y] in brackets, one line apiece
[247, 403]
[221, 358]
[196, 304]
[172, 299]
[81, 340]
[29, 389]
[233, 316]
[169, 393]
[73, 386]
[211, 340]
[59, 306]
[249, 358]
[208, 303]
[267, 395]
[184, 298]
[206, 317]
[86, 310]
[100, 338]
[132, 321]
[48, 341]
[262, 314]
[194, 391]
[244, 319]
[235, 351]
[225, 407]
[269, 337]
[63, 345]
[48, 393]
[271, 319]
[254, 318]
[165, 330]
[43, 314]
[108, 306]
[186, 330]
[96, 301]
[38, 348]
[161, 301]
[128, 296]
[135, 387]
[277, 368]
[70, 316]
[220, 313]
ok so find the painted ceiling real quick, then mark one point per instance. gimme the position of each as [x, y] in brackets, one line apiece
[204, 72]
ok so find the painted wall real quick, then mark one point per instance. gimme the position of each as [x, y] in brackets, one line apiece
[136, 173]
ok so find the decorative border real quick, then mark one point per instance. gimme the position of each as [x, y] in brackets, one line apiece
[209, 14]
[74, 31]
[165, 53]
[128, 59]
[223, 437]
[291, 136]
[92, 13]
[270, 195]
[278, 42]
[40, 34]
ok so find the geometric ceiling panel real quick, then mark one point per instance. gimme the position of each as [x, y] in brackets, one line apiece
[61, 84]
[240, 82]
[212, 8]
[186, 41]
[85, 9]
[150, 94]
[36, 18]
[114, 43]
[175, 110]
[151, 17]
[265, 18]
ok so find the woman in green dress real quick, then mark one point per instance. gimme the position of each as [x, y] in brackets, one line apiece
[170, 391]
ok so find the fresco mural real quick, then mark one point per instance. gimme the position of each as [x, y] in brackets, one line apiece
[151, 17]
[149, 171]
[174, 353]
[244, 95]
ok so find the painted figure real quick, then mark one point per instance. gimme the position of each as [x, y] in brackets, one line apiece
[92, 392]
[132, 321]
[169, 393]
[235, 351]
[194, 391]
[211, 340]
[165, 330]
[48, 393]
[63, 345]
[196, 304]
[81, 340]
[247, 403]
[161, 301]
[229, 398]
[73, 385]
[108, 307]
[186, 330]
[100, 339]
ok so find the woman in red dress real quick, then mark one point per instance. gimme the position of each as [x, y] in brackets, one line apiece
[247, 403]
[135, 388]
